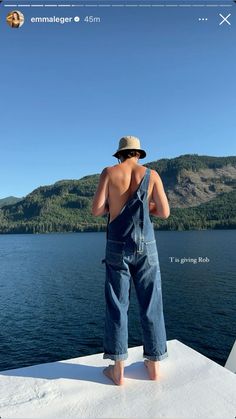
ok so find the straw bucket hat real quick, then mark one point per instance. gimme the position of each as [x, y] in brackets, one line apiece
[130, 143]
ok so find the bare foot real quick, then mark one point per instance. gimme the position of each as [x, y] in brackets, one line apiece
[153, 368]
[114, 375]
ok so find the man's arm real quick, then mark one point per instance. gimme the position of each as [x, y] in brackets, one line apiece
[100, 205]
[159, 205]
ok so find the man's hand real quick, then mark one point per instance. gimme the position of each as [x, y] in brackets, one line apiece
[152, 208]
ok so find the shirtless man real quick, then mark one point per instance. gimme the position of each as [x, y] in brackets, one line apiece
[121, 192]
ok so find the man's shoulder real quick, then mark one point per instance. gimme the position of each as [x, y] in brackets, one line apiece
[155, 177]
[107, 171]
[154, 172]
[110, 169]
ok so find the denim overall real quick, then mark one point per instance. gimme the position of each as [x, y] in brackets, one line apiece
[131, 252]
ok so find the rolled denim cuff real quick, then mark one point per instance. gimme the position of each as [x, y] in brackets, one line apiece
[114, 357]
[156, 357]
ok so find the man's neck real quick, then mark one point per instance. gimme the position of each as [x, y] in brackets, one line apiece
[130, 161]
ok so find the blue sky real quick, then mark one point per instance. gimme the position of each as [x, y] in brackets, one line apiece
[69, 92]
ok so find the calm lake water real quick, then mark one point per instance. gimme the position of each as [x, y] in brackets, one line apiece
[52, 294]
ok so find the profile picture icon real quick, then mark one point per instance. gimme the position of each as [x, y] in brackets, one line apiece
[15, 19]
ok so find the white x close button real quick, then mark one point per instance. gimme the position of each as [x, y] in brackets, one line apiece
[225, 19]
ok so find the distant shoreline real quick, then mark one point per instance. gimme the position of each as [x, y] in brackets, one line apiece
[104, 231]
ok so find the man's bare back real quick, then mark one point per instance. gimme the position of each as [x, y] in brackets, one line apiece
[124, 180]
[118, 183]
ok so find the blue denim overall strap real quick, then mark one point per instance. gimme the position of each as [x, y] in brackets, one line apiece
[131, 252]
[140, 212]
[140, 204]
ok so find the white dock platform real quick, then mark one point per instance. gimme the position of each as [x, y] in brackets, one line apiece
[190, 386]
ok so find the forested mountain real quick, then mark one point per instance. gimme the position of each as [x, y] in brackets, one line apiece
[9, 200]
[201, 191]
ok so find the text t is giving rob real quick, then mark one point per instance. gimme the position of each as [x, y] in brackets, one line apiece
[199, 259]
